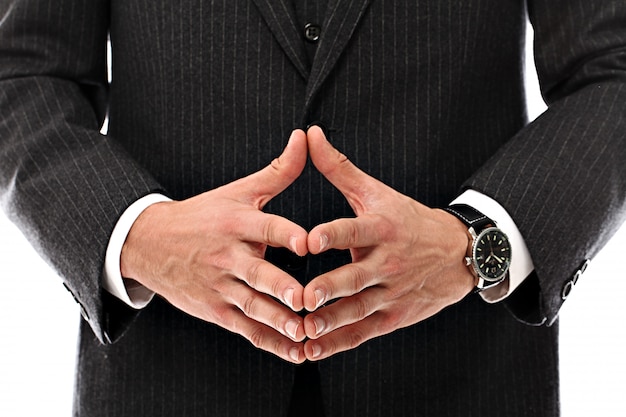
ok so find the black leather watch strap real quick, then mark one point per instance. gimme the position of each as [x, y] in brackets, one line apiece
[481, 268]
[470, 216]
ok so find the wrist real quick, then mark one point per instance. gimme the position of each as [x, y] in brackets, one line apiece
[459, 240]
[133, 295]
[142, 234]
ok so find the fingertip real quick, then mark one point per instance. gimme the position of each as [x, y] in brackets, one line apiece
[308, 300]
[316, 133]
[291, 294]
[314, 326]
[297, 355]
[296, 148]
[294, 329]
[313, 350]
[317, 126]
[317, 241]
[293, 297]
[298, 244]
[298, 303]
[297, 135]
[313, 297]
[323, 242]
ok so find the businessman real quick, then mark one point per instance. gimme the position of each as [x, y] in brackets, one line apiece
[408, 258]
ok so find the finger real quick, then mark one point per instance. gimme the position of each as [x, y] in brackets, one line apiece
[361, 232]
[344, 281]
[353, 183]
[269, 279]
[345, 338]
[262, 336]
[272, 230]
[344, 312]
[266, 310]
[259, 188]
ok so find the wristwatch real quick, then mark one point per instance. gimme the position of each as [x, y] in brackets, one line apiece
[489, 250]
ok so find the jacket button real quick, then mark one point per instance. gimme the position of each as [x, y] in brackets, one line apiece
[312, 32]
[567, 289]
[584, 265]
[569, 284]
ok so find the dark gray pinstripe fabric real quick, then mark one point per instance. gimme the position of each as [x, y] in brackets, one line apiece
[425, 95]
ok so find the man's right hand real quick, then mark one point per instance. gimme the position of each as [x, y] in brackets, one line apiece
[205, 255]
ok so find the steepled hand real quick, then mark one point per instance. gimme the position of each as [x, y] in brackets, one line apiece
[407, 260]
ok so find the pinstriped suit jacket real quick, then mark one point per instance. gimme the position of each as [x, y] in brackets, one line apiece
[425, 95]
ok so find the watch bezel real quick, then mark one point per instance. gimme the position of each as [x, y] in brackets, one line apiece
[474, 263]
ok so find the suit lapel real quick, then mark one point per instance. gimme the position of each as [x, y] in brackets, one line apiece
[281, 19]
[342, 17]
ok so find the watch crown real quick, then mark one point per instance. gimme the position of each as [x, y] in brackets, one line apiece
[468, 261]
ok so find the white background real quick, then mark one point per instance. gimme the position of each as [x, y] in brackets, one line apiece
[39, 321]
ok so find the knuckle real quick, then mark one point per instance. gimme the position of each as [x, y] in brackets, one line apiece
[393, 265]
[260, 340]
[257, 336]
[248, 306]
[353, 234]
[342, 163]
[225, 225]
[330, 319]
[359, 279]
[253, 274]
[220, 283]
[342, 159]
[276, 347]
[276, 288]
[268, 229]
[386, 229]
[221, 314]
[355, 337]
[221, 260]
[390, 322]
[276, 166]
[277, 322]
[361, 308]
[332, 347]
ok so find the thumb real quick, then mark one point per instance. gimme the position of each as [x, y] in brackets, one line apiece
[259, 188]
[353, 183]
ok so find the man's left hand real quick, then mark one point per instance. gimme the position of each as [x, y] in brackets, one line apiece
[407, 260]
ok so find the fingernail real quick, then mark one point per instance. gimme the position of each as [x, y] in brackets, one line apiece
[323, 242]
[293, 244]
[294, 354]
[320, 325]
[288, 297]
[317, 350]
[320, 297]
[291, 327]
[293, 134]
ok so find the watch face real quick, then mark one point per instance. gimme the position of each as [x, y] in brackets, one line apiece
[492, 254]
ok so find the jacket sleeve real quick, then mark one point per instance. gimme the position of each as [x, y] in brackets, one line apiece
[61, 181]
[563, 177]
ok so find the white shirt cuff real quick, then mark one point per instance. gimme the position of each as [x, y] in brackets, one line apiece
[521, 262]
[129, 291]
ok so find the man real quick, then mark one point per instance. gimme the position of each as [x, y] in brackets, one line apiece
[424, 98]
